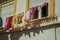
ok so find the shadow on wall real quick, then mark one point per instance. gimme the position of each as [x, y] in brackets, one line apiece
[3, 36]
[17, 35]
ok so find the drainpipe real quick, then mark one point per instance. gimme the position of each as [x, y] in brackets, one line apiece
[54, 21]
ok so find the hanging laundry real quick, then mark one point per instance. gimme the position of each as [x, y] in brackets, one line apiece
[31, 13]
[14, 21]
[35, 16]
[19, 19]
[27, 16]
[1, 22]
[8, 23]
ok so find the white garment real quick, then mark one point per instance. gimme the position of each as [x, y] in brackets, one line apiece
[27, 16]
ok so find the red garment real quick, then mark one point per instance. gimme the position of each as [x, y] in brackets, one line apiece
[31, 13]
[8, 23]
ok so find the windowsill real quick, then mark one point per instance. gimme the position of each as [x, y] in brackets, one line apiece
[40, 18]
[44, 17]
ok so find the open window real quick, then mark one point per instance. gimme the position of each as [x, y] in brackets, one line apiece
[44, 10]
[40, 9]
[37, 12]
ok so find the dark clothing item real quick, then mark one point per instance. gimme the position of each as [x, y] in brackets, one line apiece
[35, 16]
[1, 22]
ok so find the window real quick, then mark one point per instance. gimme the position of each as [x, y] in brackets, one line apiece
[37, 12]
[41, 11]
[44, 10]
